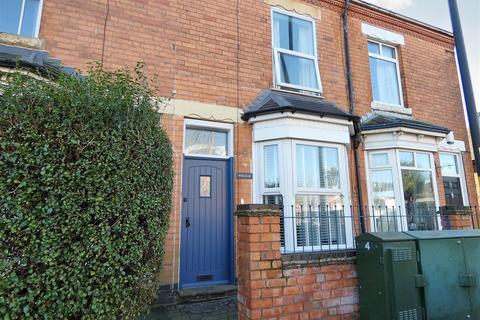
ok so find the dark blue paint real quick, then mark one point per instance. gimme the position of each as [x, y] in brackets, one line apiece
[206, 253]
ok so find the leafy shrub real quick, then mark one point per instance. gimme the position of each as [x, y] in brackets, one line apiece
[85, 187]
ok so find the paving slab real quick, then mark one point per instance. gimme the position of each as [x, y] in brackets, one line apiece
[220, 309]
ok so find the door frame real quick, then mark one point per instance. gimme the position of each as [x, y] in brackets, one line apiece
[229, 129]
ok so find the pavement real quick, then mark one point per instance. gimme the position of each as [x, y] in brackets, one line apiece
[219, 309]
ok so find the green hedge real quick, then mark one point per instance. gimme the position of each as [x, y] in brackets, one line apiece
[85, 187]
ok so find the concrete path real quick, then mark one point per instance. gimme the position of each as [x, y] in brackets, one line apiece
[221, 309]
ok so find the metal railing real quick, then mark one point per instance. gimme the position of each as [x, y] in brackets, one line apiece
[333, 228]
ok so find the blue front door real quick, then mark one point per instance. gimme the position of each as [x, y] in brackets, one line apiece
[206, 244]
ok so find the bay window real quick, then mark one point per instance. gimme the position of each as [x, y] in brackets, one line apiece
[294, 51]
[309, 181]
[385, 74]
[402, 190]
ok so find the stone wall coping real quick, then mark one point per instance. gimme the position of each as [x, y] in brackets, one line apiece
[257, 210]
[453, 211]
[315, 259]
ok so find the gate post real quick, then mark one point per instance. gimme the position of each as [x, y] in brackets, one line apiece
[457, 219]
[259, 264]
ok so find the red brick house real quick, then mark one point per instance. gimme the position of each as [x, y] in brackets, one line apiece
[260, 113]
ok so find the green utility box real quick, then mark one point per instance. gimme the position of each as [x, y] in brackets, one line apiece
[415, 275]
[450, 264]
[388, 276]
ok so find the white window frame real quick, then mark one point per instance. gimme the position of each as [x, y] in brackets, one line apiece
[288, 189]
[460, 174]
[209, 125]
[277, 51]
[397, 67]
[37, 22]
[394, 165]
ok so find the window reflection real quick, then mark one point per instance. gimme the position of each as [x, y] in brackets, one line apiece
[206, 142]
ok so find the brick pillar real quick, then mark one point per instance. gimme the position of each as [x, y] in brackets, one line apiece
[457, 219]
[259, 261]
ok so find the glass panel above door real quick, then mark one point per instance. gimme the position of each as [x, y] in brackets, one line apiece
[448, 163]
[206, 142]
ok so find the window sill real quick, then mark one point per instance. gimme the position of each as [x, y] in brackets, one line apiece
[308, 259]
[303, 92]
[385, 107]
[21, 41]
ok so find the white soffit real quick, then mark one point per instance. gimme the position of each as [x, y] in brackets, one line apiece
[382, 34]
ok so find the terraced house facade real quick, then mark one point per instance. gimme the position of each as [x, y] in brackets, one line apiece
[267, 106]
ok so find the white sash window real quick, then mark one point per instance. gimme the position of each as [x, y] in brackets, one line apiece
[295, 51]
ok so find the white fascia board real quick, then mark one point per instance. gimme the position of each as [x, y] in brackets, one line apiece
[288, 127]
[406, 130]
[325, 119]
[382, 34]
[400, 145]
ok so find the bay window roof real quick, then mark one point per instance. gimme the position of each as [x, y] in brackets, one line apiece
[275, 101]
[384, 121]
[32, 59]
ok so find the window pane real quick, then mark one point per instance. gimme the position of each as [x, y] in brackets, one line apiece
[205, 186]
[384, 81]
[308, 169]
[298, 71]
[292, 33]
[388, 52]
[379, 159]
[331, 171]
[382, 187]
[319, 220]
[270, 166]
[206, 142]
[317, 167]
[419, 199]
[385, 211]
[423, 161]
[373, 47]
[30, 15]
[277, 199]
[406, 159]
[448, 163]
[10, 15]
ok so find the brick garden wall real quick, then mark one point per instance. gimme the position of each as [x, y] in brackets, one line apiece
[273, 287]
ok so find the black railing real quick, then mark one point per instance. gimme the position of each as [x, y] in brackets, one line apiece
[308, 228]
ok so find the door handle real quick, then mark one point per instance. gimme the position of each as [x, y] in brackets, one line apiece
[187, 222]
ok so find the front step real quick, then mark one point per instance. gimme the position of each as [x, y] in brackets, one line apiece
[206, 293]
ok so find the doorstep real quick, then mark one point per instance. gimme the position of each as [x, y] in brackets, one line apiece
[206, 293]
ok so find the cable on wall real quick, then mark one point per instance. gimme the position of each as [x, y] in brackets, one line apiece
[105, 33]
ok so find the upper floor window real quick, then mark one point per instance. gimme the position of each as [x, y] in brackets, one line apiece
[21, 17]
[295, 52]
[385, 74]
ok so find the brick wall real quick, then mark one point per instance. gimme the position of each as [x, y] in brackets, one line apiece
[271, 288]
[459, 220]
[219, 53]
